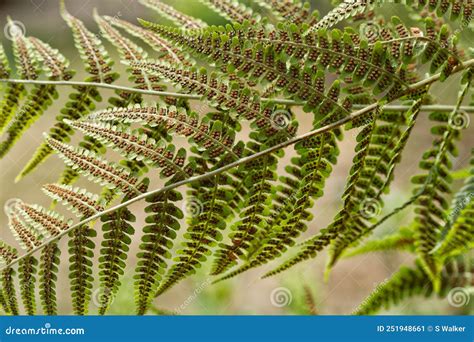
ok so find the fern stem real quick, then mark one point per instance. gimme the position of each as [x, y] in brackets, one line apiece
[425, 108]
[327, 128]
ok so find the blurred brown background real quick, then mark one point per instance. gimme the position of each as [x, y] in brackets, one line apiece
[351, 280]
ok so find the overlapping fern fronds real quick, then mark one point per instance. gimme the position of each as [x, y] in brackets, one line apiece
[244, 207]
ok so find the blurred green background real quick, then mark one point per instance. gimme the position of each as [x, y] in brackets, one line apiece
[351, 280]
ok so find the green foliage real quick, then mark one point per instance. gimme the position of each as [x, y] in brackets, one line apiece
[245, 205]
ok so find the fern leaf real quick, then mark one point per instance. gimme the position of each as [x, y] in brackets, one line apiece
[294, 11]
[408, 282]
[79, 201]
[7, 254]
[81, 251]
[325, 236]
[207, 207]
[139, 146]
[459, 235]
[433, 188]
[349, 8]
[232, 10]
[305, 182]
[97, 169]
[384, 153]
[128, 51]
[260, 62]
[81, 246]
[252, 217]
[81, 102]
[37, 101]
[179, 18]
[174, 120]
[219, 94]
[159, 45]
[13, 92]
[402, 240]
[117, 231]
[157, 241]
[8, 287]
[91, 50]
[26, 235]
[27, 269]
[49, 263]
[43, 220]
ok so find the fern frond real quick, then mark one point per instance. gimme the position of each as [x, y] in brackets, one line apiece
[259, 61]
[351, 8]
[78, 200]
[81, 246]
[434, 187]
[49, 263]
[346, 9]
[81, 251]
[401, 240]
[169, 52]
[252, 216]
[157, 241]
[39, 98]
[460, 223]
[379, 147]
[128, 51]
[232, 10]
[13, 92]
[8, 276]
[169, 12]
[81, 102]
[384, 153]
[56, 64]
[295, 195]
[139, 146]
[117, 231]
[27, 236]
[7, 254]
[220, 94]
[293, 11]
[207, 206]
[45, 221]
[175, 120]
[408, 282]
[91, 50]
[97, 169]
[27, 268]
